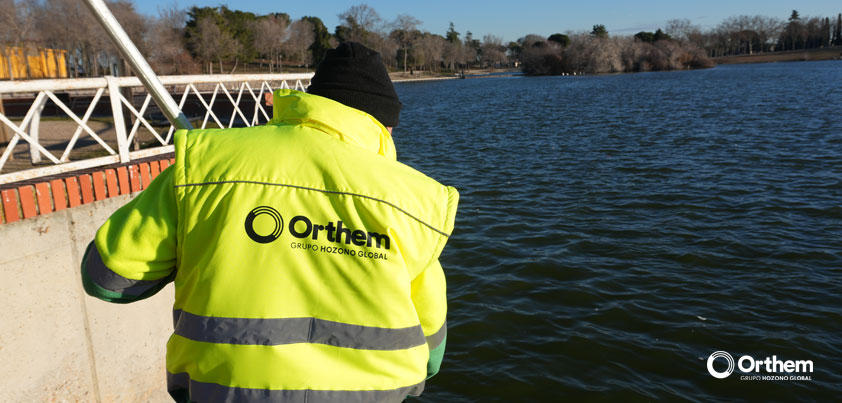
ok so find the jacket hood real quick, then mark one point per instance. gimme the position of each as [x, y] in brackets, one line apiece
[349, 125]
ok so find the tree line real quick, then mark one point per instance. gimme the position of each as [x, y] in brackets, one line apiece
[680, 45]
[221, 40]
[747, 34]
[598, 52]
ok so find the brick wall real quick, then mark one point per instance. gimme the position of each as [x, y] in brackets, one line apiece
[30, 200]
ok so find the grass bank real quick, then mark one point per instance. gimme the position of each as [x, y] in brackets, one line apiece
[831, 53]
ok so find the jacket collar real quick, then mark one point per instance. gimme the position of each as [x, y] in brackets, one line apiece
[349, 125]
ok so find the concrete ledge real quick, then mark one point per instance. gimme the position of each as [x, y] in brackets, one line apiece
[57, 343]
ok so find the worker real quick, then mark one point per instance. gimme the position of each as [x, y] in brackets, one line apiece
[305, 258]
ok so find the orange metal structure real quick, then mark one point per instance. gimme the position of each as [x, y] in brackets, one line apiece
[26, 62]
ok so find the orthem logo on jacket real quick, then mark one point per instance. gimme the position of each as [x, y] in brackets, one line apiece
[279, 224]
[334, 232]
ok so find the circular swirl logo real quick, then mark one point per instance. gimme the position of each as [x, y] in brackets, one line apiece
[727, 357]
[276, 217]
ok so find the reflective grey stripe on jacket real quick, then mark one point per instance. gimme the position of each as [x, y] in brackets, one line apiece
[277, 331]
[104, 277]
[435, 339]
[210, 392]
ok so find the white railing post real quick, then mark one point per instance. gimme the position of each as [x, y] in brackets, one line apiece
[34, 127]
[119, 123]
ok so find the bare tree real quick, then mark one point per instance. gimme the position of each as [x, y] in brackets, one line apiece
[387, 46]
[213, 44]
[68, 24]
[269, 35]
[389, 51]
[794, 35]
[540, 56]
[362, 15]
[17, 25]
[83, 38]
[768, 30]
[8, 20]
[453, 54]
[166, 46]
[300, 38]
[814, 33]
[737, 30]
[493, 50]
[359, 23]
[135, 26]
[17, 21]
[472, 48]
[594, 54]
[430, 49]
[681, 29]
[405, 32]
[206, 41]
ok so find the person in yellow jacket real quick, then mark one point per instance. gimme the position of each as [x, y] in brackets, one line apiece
[304, 256]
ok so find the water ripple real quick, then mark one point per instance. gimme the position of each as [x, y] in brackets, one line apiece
[614, 231]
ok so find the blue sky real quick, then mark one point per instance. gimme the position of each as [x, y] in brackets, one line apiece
[513, 19]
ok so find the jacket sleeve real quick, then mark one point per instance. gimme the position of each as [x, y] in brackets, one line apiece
[430, 298]
[429, 291]
[133, 254]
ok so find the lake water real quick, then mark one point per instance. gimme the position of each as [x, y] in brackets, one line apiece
[615, 231]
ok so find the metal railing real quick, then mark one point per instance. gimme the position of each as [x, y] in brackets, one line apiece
[211, 91]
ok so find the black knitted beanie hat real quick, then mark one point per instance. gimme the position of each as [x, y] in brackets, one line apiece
[355, 76]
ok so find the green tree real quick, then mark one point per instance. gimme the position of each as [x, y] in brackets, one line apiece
[560, 39]
[321, 39]
[644, 36]
[233, 37]
[344, 33]
[240, 25]
[452, 36]
[472, 46]
[794, 35]
[837, 41]
[514, 49]
[661, 36]
[826, 34]
[599, 31]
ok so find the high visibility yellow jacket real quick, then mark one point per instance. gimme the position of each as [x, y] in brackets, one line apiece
[304, 257]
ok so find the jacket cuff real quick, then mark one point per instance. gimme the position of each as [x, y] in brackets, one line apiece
[101, 282]
[437, 343]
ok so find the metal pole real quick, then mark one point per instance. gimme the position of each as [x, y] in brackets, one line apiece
[129, 51]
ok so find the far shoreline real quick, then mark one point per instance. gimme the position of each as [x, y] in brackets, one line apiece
[401, 77]
[823, 54]
[829, 53]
